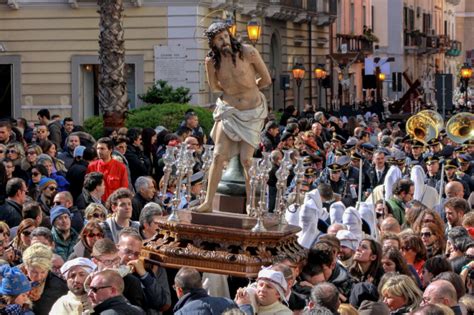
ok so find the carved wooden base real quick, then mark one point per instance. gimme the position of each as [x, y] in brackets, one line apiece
[221, 243]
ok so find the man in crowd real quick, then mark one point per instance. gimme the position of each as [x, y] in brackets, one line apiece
[403, 192]
[106, 295]
[54, 127]
[10, 212]
[115, 173]
[67, 129]
[64, 198]
[67, 156]
[455, 208]
[442, 292]
[64, 236]
[48, 188]
[145, 193]
[6, 134]
[93, 190]
[138, 163]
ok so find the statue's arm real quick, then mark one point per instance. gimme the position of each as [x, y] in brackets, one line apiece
[212, 76]
[260, 68]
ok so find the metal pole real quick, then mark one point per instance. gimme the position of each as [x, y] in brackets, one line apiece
[298, 84]
[320, 96]
[444, 95]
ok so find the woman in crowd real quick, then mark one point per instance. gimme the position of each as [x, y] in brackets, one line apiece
[433, 267]
[414, 252]
[427, 215]
[23, 238]
[366, 264]
[149, 148]
[47, 162]
[412, 212]
[31, 157]
[95, 211]
[393, 261]
[50, 149]
[401, 294]
[91, 233]
[16, 153]
[47, 287]
[433, 238]
[3, 151]
[37, 172]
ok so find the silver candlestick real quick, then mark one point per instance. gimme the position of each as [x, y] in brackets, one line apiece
[189, 173]
[206, 164]
[253, 175]
[181, 165]
[299, 175]
[169, 159]
[282, 176]
[265, 167]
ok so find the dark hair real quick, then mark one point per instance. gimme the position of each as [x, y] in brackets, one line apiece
[42, 169]
[400, 263]
[325, 191]
[133, 134]
[44, 113]
[67, 119]
[147, 135]
[415, 243]
[322, 255]
[437, 264]
[92, 180]
[119, 194]
[31, 210]
[107, 141]
[13, 186]
[188, 279]
[41, 231]
[458, 205]
[402, 185]
[46, 145]
[182, 130]
[5, 123]
[89, 154]
[214, 53]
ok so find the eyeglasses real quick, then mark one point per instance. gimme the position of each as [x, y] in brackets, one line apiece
[31, 153]
[405, 248]
[26, 233]
[91, 235]
[109, 262]
[52, 188]
[96, 289]
[1, 151]
[98, 215]
[130, 253]
[35, 173]
[425, 234]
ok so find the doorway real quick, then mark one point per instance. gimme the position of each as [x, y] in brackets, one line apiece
[6, 96]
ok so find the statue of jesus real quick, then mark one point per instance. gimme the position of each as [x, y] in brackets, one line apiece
[232, 68]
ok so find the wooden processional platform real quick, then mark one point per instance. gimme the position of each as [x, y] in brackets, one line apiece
[221, 243]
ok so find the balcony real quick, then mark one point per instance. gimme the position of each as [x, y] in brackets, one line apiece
[325, 12]
[354, 44]
[286, 10]
[455, 49]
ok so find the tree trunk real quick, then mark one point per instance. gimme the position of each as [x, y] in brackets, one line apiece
[112, 85]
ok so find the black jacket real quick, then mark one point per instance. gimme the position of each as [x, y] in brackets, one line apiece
[77, 218]
[138, 163]
[138, 202]
[197, 301]
[54, 288]
[371, 177]
[10, 212]
[75, 176]
[117, 305]
[133, 291]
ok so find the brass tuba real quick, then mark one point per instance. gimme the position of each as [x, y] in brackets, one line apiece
[435, 116]
[460, 127]
[422, 127]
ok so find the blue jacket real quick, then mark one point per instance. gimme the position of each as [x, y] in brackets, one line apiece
[198, 302]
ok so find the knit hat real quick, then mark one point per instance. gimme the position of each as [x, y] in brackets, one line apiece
[347, 239]
[13, 282]
[82, 262]
[79, 151]
[45, 182]
[58, 211]
[276, 279]
[38, 255]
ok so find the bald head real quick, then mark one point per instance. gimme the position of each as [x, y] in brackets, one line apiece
[334, 228]
[441, 291]
[454, 189]
[390, 225]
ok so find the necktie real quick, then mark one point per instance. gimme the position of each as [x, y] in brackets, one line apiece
[379, 175]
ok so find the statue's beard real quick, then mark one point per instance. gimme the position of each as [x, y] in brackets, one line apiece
[226, 50]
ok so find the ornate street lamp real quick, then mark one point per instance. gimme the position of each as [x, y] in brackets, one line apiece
[254, 30]
[232, 25]
[320, 75]
[381, 76]
[466, 74]
[298, 74]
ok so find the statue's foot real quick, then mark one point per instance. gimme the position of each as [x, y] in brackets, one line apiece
[204, 208]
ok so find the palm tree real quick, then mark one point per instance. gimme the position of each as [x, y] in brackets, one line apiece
[112, 85]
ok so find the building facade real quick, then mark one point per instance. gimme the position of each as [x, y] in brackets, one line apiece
[49, 49]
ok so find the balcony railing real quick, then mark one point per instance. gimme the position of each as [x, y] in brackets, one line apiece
[354, 43]
[288, 3]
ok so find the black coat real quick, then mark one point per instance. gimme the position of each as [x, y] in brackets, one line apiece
[10, 212]
[371, 177]
[117, 305]
[197, 301]
[75, 176]
[138, 163]
[54, 288]
[138, 202]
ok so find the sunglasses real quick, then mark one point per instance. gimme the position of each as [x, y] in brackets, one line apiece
[405, 248]
[35, 173]
[98, 215]
[425, 234]
[96, 289]
[12, 151]
[52, 188]
[91, 235]
[57, 203]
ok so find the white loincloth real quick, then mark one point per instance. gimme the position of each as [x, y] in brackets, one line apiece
[239, 125]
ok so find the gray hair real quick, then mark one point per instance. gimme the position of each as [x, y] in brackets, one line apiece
[150, 210]
[142, 182]
[325, 294]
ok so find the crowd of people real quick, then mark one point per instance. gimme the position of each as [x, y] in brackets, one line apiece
[75, 212]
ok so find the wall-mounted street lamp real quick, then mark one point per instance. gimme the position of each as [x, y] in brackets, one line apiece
[466, 74]
[381, 76]
[320, 74]
[254, 30]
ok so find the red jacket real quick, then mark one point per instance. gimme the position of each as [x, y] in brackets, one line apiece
[115, 175]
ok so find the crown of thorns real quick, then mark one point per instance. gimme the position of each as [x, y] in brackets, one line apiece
[214, 29]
